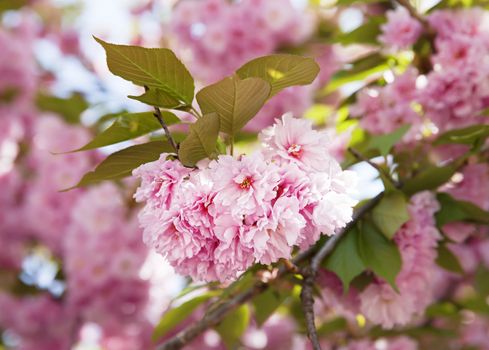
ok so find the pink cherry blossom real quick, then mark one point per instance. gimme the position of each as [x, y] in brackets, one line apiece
[401, 30]
[417, 241]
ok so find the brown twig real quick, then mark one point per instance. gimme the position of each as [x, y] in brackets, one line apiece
[413, 12]
[159, 117]
[381, 171]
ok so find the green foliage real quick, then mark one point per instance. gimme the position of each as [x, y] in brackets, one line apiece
[121, 164]
[281, 70]
[391, 213]
[267, 303]
[69, 108]
[157, 69]
[430, 178]
[367, 33]
[335, 325]
[448, 260]
[378, 253]
[177, 315]
[6, 5]
[466, 136]
[345, 259]
[127, 127]
[481, 282]
[236, 101]
[201, 141]
[158, 98]
[452, 210]
[358, 70]
[384, 143]
[233, 326]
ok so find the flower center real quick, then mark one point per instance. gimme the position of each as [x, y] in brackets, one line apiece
[246, 183]
[295, 150]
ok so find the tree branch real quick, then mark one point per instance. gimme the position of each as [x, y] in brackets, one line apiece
[217, 314]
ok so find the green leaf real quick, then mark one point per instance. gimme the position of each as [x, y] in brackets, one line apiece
[391, 213]
[177, 315]
[128, 127]
[281, 70]
[430, 178]
[157, 98]
[6, 5]
[481, 281]
[367, 33]
[466, 136]
[384, 143]
[378, 253]
[233, 326]
[335, 325]
[154, 68]
[266, 303]
[359, 70]
[236, 101]
[345, 260]
[442, 309]
[452, 210]
[448, 260]
[69, 108]
[121, 164]
[201, 141]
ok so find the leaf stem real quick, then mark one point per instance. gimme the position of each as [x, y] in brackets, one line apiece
[159, 117]
[195, 112]
[231, 145]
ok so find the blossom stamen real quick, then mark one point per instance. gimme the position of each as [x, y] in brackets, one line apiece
[295, 150]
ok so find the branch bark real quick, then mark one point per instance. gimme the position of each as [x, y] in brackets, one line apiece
[413, 12]
[217, 314]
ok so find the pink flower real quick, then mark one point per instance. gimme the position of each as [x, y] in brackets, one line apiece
[454, 97]
[280, 231]
[401, 30]
[159, 181]
[383, 110]
[417, 241]
[292, 140]
[245, 187]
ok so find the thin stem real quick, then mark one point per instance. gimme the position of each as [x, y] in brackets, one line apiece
[195, 112]
[381, 171]
[159, 117]
[412, 11]
[231, 145]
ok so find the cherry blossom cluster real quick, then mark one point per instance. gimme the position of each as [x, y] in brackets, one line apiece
[417, 242]
[217, 36]
[417, 284]
[213, 222]
[452, 95]
[90, 235]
